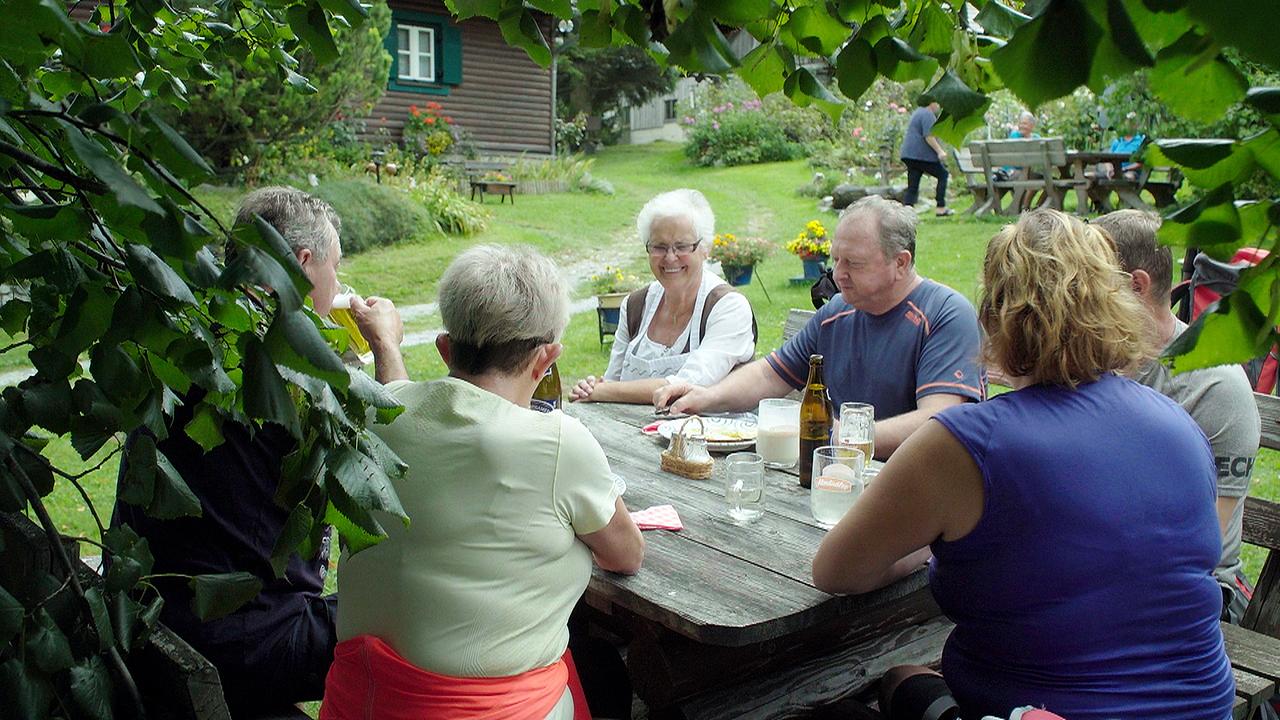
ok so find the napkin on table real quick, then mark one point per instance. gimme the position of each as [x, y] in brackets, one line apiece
[658, 517]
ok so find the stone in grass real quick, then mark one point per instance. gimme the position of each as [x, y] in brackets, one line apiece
[846, 194]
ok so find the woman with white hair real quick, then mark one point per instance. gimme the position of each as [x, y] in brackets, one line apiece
[688, 325]
[467, 606]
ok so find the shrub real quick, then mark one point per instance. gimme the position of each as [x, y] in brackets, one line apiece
[450, 212]
[738, 135]
[589, 183]
[428, 129]
[372, 214]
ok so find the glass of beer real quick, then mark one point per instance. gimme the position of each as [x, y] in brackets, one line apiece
[340, 313]
[837, 482]
[778, 432]
[744, 486]
[858, 427]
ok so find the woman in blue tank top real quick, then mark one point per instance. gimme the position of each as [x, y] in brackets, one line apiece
[1071, 522]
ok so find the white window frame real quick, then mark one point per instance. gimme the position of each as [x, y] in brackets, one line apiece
[412, 70]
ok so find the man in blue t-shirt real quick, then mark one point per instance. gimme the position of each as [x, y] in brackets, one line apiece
[923, 155]
[905, 344]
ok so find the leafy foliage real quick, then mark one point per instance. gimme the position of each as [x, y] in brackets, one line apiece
[372, 214]
[110, 260]
[595, 81]
[738, 135]
[1040, 50]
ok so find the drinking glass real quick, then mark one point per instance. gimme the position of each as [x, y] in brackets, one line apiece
[837, 482]
[778, 432]
[858, 427]
[340, 313]
[744, 486]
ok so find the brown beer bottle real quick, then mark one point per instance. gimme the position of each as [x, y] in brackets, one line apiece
[546, 397]
[815, 419]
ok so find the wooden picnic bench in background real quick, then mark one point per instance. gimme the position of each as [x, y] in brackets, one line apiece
[476, 170]
[1038, 159]
[975, 178]
[1254, 646]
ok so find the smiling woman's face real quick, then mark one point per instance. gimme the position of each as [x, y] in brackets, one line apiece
[675, 255]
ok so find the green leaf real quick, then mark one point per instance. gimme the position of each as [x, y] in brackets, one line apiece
[1247, 26]
[47, 404]
[954, 96]
[1063, 38]
[353, 10]
[364, 481]
[174, 151]
[116, 372]
[1211, 224]
[91, 688]
[265, 394]
[1159, 28]
[218, 595]
[311, 26]
[138, 482]
[155, 275]
[697, 45]
[356, 525]
[931, 34]
[763, 69]
[101, 618]
[173, 498]
[27, 692]
[815, 30]
[520, 29]
[1120, 51]
[109, 57]
[1194, 154]
[131, 558]
[1195, 81]
[1266, 100]
[855, 68]
[952, 129]
[47, 644]
[294, 342]
[804, 89]
[1264, 148]
[121, 184]
[87, 316]
[559, 8]
[899, 61]
[737, 12]
[205, 427]
[1226, 333]
[298, 82]
[251, 266]
[11, 613]
[374, 446]
[297, 527]
[1000, 19]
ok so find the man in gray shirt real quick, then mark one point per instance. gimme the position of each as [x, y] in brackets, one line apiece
[1219, 399]
[923, 155]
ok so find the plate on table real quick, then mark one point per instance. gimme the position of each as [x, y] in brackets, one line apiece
[725, 433]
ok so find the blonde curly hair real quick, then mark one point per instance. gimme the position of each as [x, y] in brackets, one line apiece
[1055, 305]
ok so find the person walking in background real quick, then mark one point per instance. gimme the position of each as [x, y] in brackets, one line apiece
[923, 155]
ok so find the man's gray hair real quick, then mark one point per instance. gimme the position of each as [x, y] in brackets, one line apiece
[896, 223]
[303, 220]
[1134, 233]
[500, 302]
[679, 203]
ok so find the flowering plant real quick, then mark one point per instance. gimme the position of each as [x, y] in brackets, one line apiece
[732, 250]
[812, 242]
[429, 128]
[495, 176]
[613, 280]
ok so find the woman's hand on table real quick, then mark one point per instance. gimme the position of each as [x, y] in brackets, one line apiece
[582, 391]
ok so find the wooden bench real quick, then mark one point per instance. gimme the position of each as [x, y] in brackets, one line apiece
[1254, 646]
[975, 179]
[476, 170]
[1039, 160]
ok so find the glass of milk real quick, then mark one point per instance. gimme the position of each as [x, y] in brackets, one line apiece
[778, 432]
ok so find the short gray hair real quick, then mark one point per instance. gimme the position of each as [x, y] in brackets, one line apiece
[1027, 115]
[303, 220]
[498, 303]
[679, 203]
[1134, 233]
[895, 222]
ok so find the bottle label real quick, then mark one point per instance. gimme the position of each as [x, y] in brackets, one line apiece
[543, 406]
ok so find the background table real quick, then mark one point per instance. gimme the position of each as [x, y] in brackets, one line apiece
[724, 620]
[1127, 190]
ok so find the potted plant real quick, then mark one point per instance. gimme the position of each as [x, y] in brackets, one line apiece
[611, 286]
[812, 246]
[428, 130]
[738, 256]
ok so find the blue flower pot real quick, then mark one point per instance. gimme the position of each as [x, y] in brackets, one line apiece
[813, 268]
[610, 315]
[738, 275]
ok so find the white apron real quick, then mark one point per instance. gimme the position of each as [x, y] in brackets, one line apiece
[638, 368]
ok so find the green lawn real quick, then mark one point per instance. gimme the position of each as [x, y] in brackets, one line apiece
[579, 230]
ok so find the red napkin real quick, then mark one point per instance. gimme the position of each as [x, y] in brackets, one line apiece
[658, 517]
[651, 428]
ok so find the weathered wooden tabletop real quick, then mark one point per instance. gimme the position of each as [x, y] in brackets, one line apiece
[713, 581]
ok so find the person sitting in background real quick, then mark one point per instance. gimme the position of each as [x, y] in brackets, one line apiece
[1071, 521]
[1219, 399]
[687, 325]
[468, 605]
[1129, 142]
[1025, 130]
[891, 338]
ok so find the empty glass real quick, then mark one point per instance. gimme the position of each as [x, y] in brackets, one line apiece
[858, 427]
[778, 432]
[744, 486]
[837, 482]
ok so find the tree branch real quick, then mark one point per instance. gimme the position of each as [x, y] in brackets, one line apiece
[60, 552]
[51, 170]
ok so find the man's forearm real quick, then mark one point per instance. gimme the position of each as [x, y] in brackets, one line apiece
[746, 387]
[388, 364]
[627, 391]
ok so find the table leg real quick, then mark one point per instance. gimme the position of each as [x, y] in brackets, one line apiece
[1082, 187]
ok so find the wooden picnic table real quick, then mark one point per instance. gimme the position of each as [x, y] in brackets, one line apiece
[724, 620]
[1078, 161]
